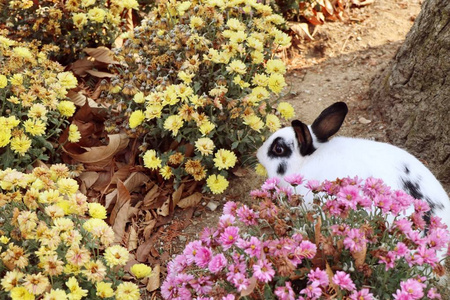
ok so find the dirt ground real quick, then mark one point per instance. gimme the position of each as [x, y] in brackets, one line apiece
[337, 65]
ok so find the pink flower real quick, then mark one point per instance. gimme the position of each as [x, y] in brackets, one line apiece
[433, 294]
[258, 194]
[228, 237]
[389, 260]
[252, 247]
[384, 202]
[208, 236]
[203, 285]
[401, 250]
[349, 195]
[285, 292]
[403, 199]
[355, 240]
[178, 264]
[421, 206]
[270, 184]
[235, 268]
[413, 287]
[285, 191]
[319, 276]
[217, 263]
[344, 281]
[375, 186]
[191, 250]
[313, 185]
[294, 179]
[263, 270]
[403, 225]
[428, 255]
[312, 291]
[418, 220]
[363, 294]
[229, 297]
[230, 208]
[203, 257]
[247, 216]
[226, 220]
[414, 259]
[240, 282]
[438, 238]
[306, 249]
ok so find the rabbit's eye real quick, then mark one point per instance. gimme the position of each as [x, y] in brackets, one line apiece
[278, 149]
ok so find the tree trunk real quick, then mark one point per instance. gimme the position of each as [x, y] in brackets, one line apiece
[413, 93]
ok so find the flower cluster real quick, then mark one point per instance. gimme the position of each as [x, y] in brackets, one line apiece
[34, 104]
[198, 83]
[357, 241]
[56, 245]
[70, 26]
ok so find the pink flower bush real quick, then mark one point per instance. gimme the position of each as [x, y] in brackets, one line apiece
[357, 242]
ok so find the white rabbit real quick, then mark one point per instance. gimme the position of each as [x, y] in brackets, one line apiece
[307, 150]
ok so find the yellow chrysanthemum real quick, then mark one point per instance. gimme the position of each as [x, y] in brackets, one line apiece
[136, 118]
[76, 292]
[74, 134]
[95, 271]
[153, 111]
[130, 4]
[141, 270]
[11, 280]
[254, 122]
[196, 22]
[21, 293]
[35, 127]
[127, 291]
[237, 66]
[217, 183]
[16, 79]
[286, 110]
[67, 80]
[139, 97]
[55, 295]
[116, 255]
[67, 186]
[38, 111]
[104, 289]
[235, 24]
[276, 83]
[224, 159]
[86, 3]
[186, 76]
[206, 127]
[36, 283]
[272, 122]
[3, 81]
[275, 66]
[66, 108]
[23, 52]
[260, 170]
[97, 211]
[97, 14]
[205, 146]
[20, 144]
[151, 161]
[166, 172]
[5, 136]
[173, 123]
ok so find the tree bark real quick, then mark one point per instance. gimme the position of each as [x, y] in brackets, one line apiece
[413, 93]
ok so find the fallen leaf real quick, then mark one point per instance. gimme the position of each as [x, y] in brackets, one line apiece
[191, 200]
[100, 74]
[363, 120]
[154, 281]
[133, 239]
[250, 287]
[301, 29]
[144, 249]
[164, 210]
[79, 99]
[360, 256]
[80, 66]
[101, 54]
[89, 178]
[149, 229]
[176, 196]
[119, 214]
[151, 196]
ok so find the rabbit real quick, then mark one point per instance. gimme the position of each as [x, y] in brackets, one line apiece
[309, 151]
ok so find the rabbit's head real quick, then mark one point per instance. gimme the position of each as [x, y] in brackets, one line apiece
[284, 151]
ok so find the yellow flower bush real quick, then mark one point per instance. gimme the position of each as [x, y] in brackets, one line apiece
[70, 25]
[201, 75]
[51, 250]
[34, 105]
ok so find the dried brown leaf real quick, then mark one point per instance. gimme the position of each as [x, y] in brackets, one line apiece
[190, 201]
[133, 239]
[151, 196]
[119, 214]
[302, 30]
[143, 250]
[250, 288]
[79, 67]
[153, 281]
[100, 74]
[101, 54]
[149, 229]
[79, 99]
[360, 256]
[89, 178]
[164, 210]
[176, 196]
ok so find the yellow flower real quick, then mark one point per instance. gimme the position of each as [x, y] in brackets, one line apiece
[127, 291]
[275, 66]
[86, 3]
[166, 172]
[141, 270]
[276, 83]
[205, 146]
[97, 14]
[5, 42]
[206, 127]
[281, 38]
[74, 134]
[55, 295]
[286, 110]
[237, 66]
[260, 170]
[16, 79]
[238, 37]
[67, 80]
[257, 57]
[151, 161]
[77, 256]
[67, 186]
[11, 280]
[35, 127]
[23, 52]
[130, 4]
[51, 265]
[5, 136]
[139, 97]
[217, 184]
[196, 22]
[238, 81]
[224, 159]
[153, 111]
[255, 44]
[272, 122]
[4, 239]
[183, 6]
[38, 111]
[21, 293]
[97, 211]
[3, 81]
[36, 283]
[76, 292]
[254, 122]
[20, 144]
[116, 255]
[235, 24]
[104, 289]
[186, 77]
[173, 123]
[66, 108]
[95, 270]
[136, 118]
[93, 223]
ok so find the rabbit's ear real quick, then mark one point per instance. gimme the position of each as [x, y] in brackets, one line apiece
[329, 121]
[303, 137]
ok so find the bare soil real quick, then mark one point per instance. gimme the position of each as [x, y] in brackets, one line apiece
[338, 65]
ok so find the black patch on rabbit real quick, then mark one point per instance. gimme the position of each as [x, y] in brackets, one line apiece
[279, 148]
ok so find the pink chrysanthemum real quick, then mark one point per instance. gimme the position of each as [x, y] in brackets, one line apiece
[217, 263]
[285, 292]
[344, 281]
[355, 240]
[363, 294]
[240, 281]
[388, 259]
[263, 270]
[270, 184]
[319, 276]
[203, 257]
[230, 208]
[312, 291]
[294, 179]
[228, 237]
[247, 215]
